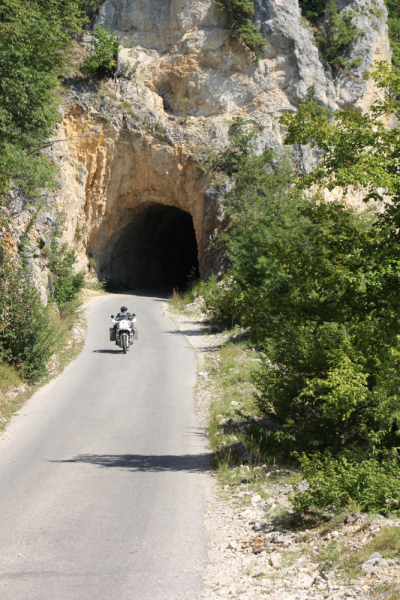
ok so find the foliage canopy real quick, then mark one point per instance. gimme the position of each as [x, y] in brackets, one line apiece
[34, 41]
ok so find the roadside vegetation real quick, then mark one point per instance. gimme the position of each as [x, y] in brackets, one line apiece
[36, 49]
[36, 340]
[317, 286]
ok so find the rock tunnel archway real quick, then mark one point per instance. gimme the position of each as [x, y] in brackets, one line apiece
[157, 246]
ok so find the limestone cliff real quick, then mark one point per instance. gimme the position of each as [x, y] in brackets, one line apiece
[130, 143]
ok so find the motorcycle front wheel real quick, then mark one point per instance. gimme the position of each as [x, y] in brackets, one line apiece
[124, 343]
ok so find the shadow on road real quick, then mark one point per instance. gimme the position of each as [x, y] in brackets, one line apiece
[193, 463]
[108, 351]
[189, 332]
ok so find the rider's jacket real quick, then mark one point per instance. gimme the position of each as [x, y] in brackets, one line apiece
[126, 316]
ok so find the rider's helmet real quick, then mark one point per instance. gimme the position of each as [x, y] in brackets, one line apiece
[124, 309]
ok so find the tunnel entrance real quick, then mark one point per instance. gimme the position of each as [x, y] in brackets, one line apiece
[157, 247]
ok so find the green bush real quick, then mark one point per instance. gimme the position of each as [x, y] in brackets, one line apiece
[371, 484]
[333, 30]
[240, 24]
[66, 284]
[311, 9]
[393, 7]
[91, 7]
[103, 62]
[337, 35]
[26, 336]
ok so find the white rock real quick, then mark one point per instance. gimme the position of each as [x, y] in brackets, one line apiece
[256, 499]
[232, 545]
[335, 534]
[275, 560]
[303, 580]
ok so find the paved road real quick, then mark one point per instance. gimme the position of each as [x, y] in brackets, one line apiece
[101, 475]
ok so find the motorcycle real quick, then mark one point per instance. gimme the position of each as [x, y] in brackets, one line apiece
[124, 331]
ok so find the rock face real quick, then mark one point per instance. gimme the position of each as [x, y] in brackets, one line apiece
[128, 165]
[187, 54]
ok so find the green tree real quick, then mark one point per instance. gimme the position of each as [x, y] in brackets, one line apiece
[34, 40]
[319, 285]
[358, 149]
[66, 283]
[26, 336]
[331, 382]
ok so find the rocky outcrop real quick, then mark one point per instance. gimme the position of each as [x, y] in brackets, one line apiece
[131, 143]
[185, 52]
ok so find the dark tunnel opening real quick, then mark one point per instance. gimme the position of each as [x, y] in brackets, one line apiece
[157, 247]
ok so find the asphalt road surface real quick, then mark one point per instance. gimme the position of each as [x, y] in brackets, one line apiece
[102, 472]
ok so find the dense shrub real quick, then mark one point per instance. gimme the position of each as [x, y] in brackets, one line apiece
[105, 48]
[29, 333]
[319, 286]
[66, 283]
[366, 484]
[333, 30]
[26, 336]
[240, 24]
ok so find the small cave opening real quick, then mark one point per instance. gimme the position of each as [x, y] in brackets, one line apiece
[167, 96]
[156, 248]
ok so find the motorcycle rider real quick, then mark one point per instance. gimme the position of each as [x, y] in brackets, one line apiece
[124, 314]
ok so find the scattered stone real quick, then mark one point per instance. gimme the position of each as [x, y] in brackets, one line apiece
[335, 534]
[258, 543]
[355, 518]
[233, 545]
[258, 574]
[303, 580]
[275, 560]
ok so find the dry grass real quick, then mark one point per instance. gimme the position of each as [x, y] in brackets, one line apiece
[348, 561]
[228, 379]
[388, 591]
[387, 542]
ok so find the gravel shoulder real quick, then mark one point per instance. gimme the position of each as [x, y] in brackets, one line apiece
[253, 554]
